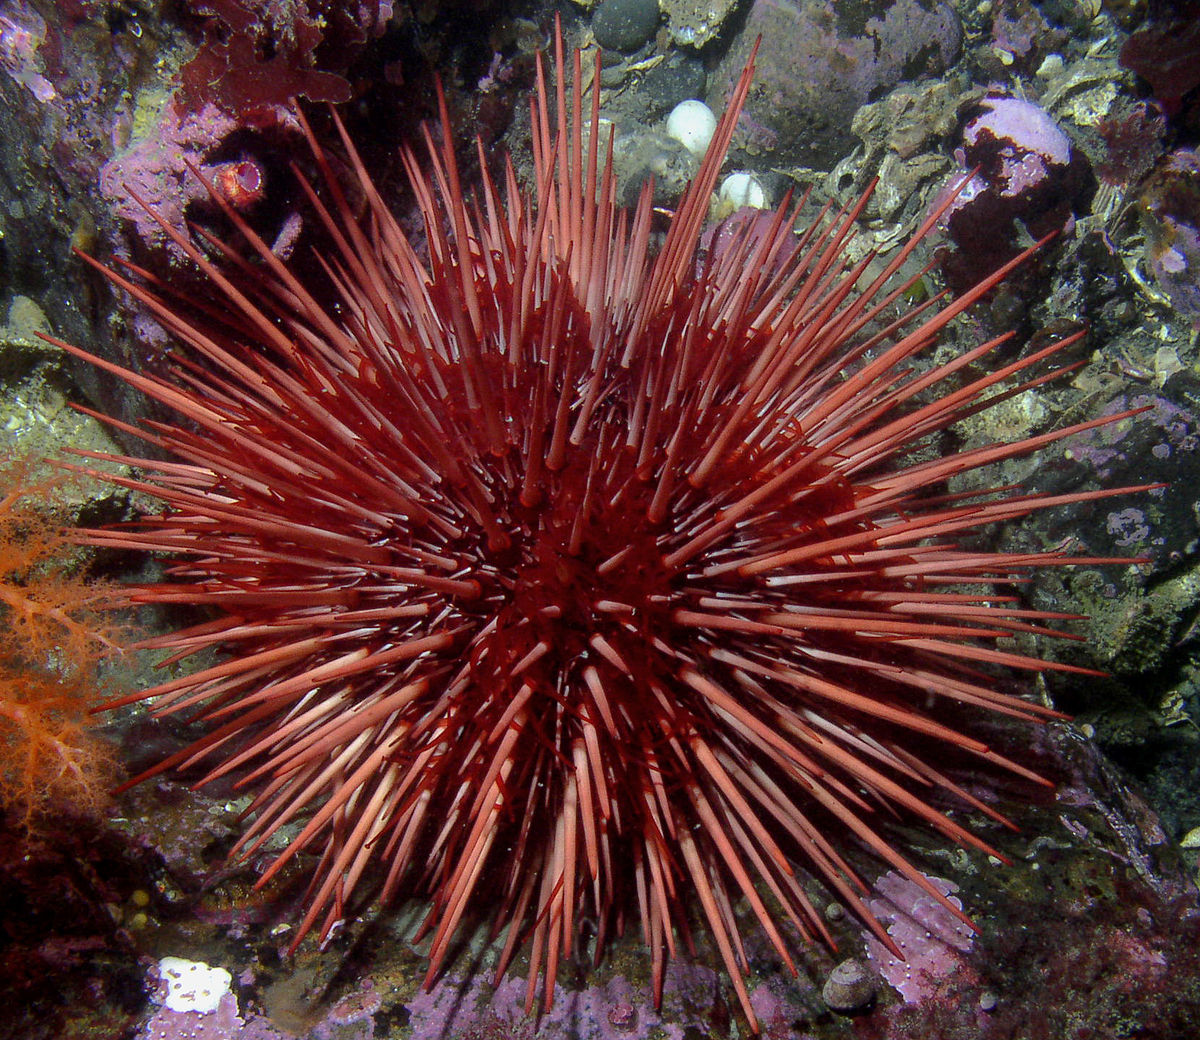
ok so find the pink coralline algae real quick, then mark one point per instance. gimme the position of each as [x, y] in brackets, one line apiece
[932, 939]
[155, 170]
[614, 1010]
[1128, 527]
[356, 1007]
[777, 1014]
[186, 1011]
[230, 109]
[172, 1021]
[1020, 29]
[1016, 145]
[1026, 176]
[22, 32]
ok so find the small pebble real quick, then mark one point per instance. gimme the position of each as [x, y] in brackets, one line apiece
[624, 25]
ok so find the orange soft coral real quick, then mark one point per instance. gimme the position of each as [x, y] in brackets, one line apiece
[50, 649]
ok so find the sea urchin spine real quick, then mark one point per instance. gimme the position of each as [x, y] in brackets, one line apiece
[559, 576]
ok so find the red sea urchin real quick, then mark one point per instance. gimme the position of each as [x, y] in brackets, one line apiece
[555, 577]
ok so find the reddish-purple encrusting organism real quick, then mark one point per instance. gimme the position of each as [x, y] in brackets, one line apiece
[559, 577]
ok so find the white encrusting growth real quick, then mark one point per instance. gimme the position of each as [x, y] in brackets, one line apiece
[193, 985]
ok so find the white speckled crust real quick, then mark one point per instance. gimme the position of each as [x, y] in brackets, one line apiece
[193, 985]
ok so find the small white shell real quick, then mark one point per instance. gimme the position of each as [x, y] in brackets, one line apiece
[851, 987]
[692, 123]
[742, 189]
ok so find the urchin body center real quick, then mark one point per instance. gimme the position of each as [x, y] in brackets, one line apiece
[594, 590]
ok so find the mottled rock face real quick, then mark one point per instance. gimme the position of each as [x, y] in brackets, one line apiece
[1170, 211]
[1162, 446]
[692, 23]
[818, 62]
